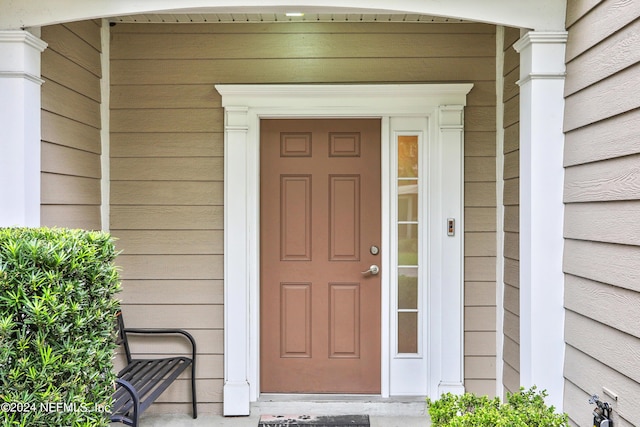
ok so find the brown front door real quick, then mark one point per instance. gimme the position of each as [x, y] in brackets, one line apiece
[320, 216]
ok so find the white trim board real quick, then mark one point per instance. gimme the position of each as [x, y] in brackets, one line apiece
[442, 107]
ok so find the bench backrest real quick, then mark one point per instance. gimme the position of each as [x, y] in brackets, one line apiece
[121, 336]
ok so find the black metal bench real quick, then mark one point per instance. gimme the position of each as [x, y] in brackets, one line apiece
[142, 381]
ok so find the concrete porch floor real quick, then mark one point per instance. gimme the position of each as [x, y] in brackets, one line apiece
[252, 421]
[383, 412]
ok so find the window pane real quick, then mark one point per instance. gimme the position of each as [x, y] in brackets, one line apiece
[408, 200]
[407, 156]
[407, 332]
[407, 244]
[407, 288]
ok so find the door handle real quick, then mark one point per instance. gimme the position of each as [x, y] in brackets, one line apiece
[373, 270]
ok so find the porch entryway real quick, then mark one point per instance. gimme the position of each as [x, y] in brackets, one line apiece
[421, 272]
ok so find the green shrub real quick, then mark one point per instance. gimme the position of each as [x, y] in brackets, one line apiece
[57, 317]
[523, 409]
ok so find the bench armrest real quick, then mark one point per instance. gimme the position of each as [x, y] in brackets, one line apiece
[154, 331]
[134, 398]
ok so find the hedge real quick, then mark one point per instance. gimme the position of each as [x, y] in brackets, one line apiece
[57, 326]
[526, 408]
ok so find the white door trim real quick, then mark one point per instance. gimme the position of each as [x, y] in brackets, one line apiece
[244, 106]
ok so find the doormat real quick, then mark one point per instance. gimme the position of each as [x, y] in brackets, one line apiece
[314, 421]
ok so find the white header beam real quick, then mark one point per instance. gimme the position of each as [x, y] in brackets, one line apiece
[539, 14]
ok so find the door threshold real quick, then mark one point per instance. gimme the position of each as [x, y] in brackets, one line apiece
[339, 404]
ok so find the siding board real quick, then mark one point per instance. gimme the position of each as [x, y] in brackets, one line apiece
[69, 190]
[615, 179]
[312, 70]
[166, 193]
[139, 217]
[77, 216]
[181, 267]
[612, 222]
[59, 159]
[159, 292]
[167, 120]
[158, 242]
[606, 139]
[164, 96]
[167, 169]
[63, 131]
[603, 262]
[168, 144]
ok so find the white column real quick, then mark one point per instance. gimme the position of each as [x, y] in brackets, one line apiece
[451, 162]
[542, 72]
[20, 128]
[236, 264]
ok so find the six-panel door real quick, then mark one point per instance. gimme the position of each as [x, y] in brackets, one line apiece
[320, 216]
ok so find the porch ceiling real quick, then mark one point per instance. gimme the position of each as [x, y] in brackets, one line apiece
[281, 17]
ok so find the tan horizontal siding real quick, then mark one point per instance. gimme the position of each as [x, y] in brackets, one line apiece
[71, 146]
[613, 348]
[601, 192]
[167, 148]
[278, 46]
[590, 375]
[511, 226]
[596, 24]
[63, 40]
[71, 75]
[613, 55]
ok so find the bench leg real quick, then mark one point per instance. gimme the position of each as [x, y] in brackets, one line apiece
[193, 388]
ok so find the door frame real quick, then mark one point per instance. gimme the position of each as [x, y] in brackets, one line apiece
[442, 107]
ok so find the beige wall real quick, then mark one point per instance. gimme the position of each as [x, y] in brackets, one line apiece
[511, 174]
[71, 125]
[602, 227]
[167, 159]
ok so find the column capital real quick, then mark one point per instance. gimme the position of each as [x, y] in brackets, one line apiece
[22, 36]
[541, 55]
